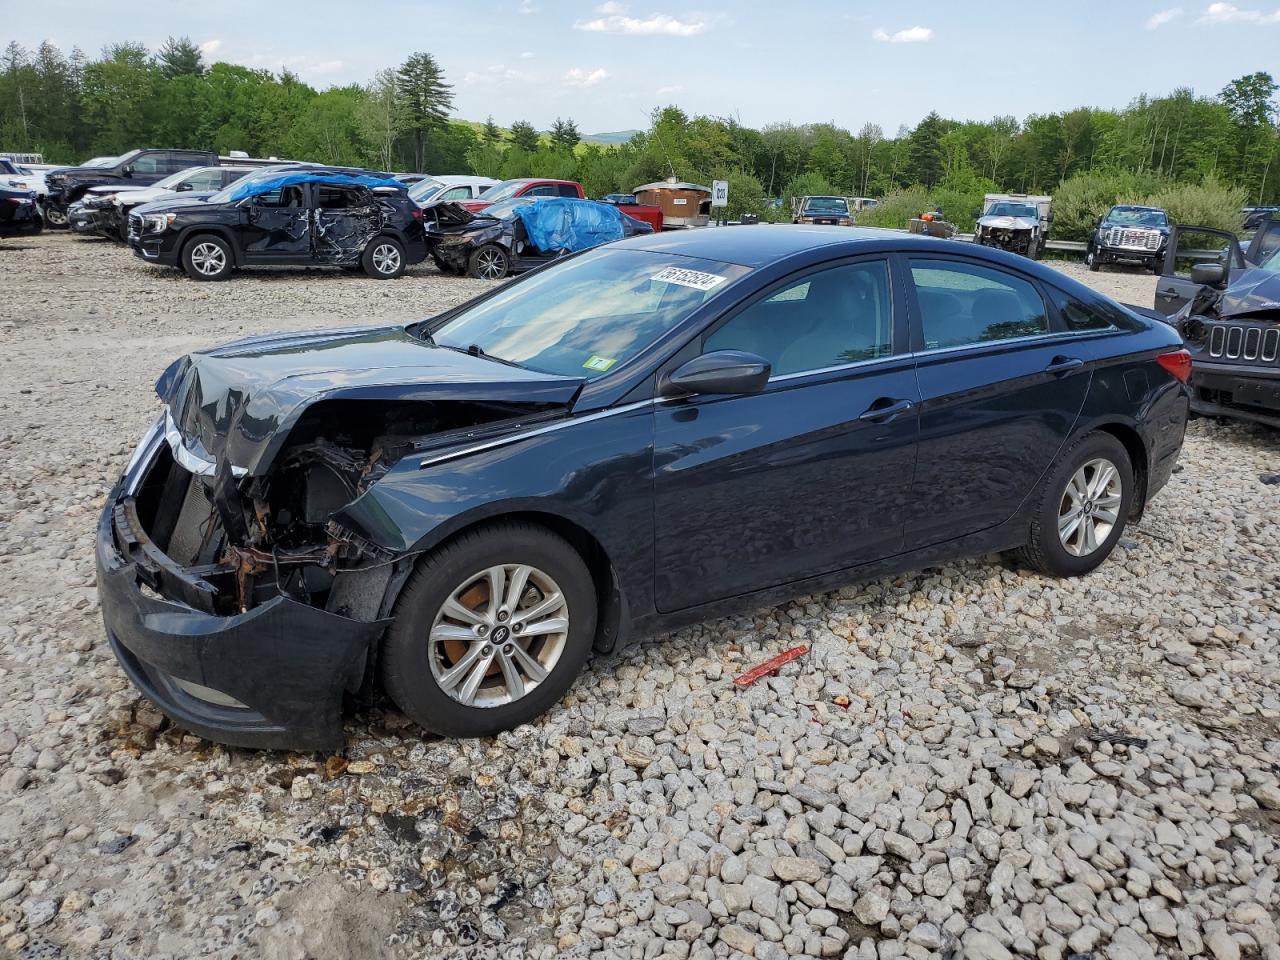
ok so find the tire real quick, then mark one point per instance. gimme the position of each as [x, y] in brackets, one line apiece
[1092, 261]
[489, 262]
[1068, 556]
[207, 256]
[1033, 250]
[383, 258]
[417, 659]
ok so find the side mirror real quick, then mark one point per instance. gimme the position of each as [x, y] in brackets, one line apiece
[1048, 217]
[977, 213]
[127, 171]
[721, 371]
[1208, 274]
[182, 187]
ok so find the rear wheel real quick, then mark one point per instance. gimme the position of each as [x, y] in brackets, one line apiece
[490, 262]
[490, 631]
[1082, 508]
[207, 257]
[383, 258]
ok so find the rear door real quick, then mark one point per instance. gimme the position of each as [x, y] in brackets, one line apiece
[1265, 242]
[1189, 245]
[1000, 388]
[812, 474]
[344, 221]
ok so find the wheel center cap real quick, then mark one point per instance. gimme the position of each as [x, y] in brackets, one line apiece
[501, 635]
[1088, 506]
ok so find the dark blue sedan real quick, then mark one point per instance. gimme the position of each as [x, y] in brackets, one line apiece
[649, 433]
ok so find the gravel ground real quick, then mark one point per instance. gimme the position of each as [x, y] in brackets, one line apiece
[939, 774]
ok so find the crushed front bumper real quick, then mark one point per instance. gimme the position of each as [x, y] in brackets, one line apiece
[1243, 392]
[271, 677]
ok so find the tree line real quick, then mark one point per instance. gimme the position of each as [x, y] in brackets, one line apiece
[70, 107]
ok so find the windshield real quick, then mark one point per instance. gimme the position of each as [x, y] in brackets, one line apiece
[507, 208]
[1272, 263]
[826, 205]
[589, 314]
[424, 190]
[261, 173]
[173, 179]
[1013, 210]
[500, 191]
[1141, 218]
[103, 161]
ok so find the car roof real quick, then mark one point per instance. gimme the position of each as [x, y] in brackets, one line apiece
[753, 246]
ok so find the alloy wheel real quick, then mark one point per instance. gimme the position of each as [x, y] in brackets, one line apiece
[56, 217]
[1090, 507]
[499, 634]
[490, 264]
[386, 258]
[208, 259]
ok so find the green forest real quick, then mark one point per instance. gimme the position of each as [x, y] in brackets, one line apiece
[1197, 155]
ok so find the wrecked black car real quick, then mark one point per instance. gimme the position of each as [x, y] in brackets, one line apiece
[290, 215]
[1226, 304]
[645, 434]
[18, 213]
[519, 234]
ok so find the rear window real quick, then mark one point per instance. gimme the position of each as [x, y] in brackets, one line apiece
[963, 304]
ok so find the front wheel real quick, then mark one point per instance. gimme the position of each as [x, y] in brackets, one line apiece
[1082, 508]
[1092, 260]
[207, 257]
[383, 258]
[490, 262]
[490, 631]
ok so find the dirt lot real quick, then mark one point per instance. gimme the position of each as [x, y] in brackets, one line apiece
[930, 777]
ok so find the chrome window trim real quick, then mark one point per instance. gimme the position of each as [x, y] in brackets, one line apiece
[783, 377]
[1050, 337]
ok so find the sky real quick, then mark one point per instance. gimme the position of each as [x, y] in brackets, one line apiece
[608, 64]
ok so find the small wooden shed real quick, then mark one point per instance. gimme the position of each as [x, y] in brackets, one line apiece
[683, 204]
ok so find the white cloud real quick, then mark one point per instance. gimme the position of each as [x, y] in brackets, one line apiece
[527, 55]
[910, 35]
[1230, 13]
[1160, 18]
[211, 47]
[611, 7]
[667, 91]
[492, 76]
[579, 77]
[659, 24]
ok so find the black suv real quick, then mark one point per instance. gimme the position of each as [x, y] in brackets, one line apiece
[136, 168]
[286, 216]
[1129, 234]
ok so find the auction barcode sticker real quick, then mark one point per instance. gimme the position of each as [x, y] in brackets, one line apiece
[689, 278]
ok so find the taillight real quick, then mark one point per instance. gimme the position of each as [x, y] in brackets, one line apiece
[417, 213]
[1177, 363]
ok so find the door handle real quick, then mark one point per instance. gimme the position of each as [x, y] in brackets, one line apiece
[1061, 365]
[884, 409]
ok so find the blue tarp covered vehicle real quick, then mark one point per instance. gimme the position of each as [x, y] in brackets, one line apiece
[258, 184]
[520, 233]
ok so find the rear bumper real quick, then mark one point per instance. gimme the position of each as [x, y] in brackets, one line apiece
[271, 677]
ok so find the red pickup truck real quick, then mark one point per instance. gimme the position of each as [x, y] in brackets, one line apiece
[535, 187]
[524, 187]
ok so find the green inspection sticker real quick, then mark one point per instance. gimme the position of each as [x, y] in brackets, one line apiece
[600, 364]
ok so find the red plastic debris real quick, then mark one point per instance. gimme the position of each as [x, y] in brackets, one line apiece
[770, 667]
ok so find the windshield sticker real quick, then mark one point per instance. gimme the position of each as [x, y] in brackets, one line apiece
[689, 278]
[600, 364]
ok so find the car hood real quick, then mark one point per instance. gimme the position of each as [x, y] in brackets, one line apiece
[174, 203]
[1254, 291]
[152, 195]
[119, 188]
[1008, 223]
[240, 400]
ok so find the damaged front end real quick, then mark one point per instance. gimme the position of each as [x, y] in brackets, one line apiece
[232, 595]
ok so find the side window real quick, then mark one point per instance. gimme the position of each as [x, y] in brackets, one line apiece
[1081, 315]
[339, 198]
[209, 180]
[568, 191]
[456, 193]
[830, 318]
[542, 190]
[963, 303]
[149, 163]
[290, 196]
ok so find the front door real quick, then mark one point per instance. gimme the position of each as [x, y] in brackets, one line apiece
[345, 220]
[1000, 393]
[277, 225]
[807, 477]
[1189, 245]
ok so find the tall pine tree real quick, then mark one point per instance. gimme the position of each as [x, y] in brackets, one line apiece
[424, 101]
